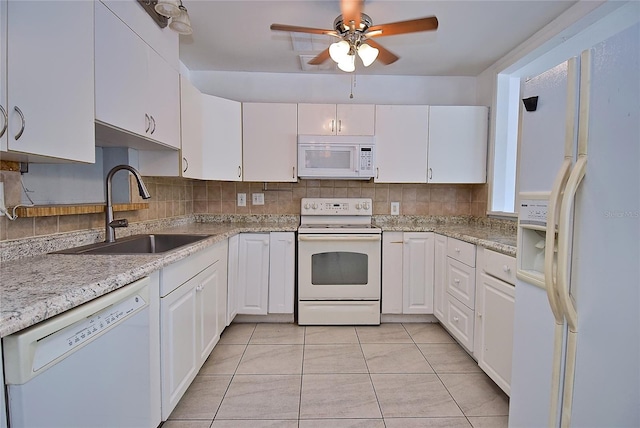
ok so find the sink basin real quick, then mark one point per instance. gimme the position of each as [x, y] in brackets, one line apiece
[138, 244]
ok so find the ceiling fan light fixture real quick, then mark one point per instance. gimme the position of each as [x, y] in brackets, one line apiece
[182, 23]
[168, 8]
[339, 51]
[348, 64]
[367, 54]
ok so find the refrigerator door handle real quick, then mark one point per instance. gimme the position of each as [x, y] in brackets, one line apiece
[550, 280]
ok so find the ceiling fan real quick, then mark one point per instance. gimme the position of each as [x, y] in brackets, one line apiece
[353, 28]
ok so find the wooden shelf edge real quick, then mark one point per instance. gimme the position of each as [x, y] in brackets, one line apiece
[53, 210]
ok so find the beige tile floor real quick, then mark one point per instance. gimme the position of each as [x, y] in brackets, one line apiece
[392, 375]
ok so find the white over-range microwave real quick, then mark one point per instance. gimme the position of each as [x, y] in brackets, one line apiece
[336, 157]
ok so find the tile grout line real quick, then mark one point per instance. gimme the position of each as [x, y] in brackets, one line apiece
[233, 375]
[370, 378]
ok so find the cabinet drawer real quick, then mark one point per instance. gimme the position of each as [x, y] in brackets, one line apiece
[460, 321]
[461, 282]
[500, 265]
[181, 271]
[461, 251]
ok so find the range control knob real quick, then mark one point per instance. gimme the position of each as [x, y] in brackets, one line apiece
[314, 206]
[307, 206]
[358, 206]
[366, 206]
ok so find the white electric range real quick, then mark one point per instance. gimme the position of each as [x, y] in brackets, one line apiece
[339, 259]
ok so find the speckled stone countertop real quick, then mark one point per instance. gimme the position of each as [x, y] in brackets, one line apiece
[494, 234]
[35, 286]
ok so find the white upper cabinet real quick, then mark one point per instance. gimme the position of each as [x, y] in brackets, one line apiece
[457, 144]
[332, 119]
[221, 139]
[402, 132]
[47, 88]
[269, 140]
[136, 89]
[191, 129]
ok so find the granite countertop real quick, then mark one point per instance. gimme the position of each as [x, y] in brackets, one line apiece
[36, 286]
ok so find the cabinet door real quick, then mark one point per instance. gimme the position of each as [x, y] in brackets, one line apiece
[253, 276]
[457, 144]
[269, 142]
[282, 258]
[206, 306]
[191, 129]
[392, 272]
[50, 79]
[440, 278]
[401, 143]
[317, 119]
[179, 345]
[355, 119]
[233, 270]
[494, 320]
[163, 100]
[221, 139]
[417, 272]
[120, 73]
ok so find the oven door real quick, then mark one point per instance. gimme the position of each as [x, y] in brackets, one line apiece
[339, 266]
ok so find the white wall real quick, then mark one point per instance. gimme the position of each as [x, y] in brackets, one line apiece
[336, 88]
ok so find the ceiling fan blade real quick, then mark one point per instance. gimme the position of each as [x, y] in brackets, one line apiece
[296, 29]
[320, 58]
[385, 56]
[351, 11]
[429, 23]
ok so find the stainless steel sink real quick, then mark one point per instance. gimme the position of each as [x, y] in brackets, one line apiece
[138, 244]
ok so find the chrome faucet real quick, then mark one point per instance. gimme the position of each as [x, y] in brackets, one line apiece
[109, 223]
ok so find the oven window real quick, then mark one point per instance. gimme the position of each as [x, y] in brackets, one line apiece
[339, 268]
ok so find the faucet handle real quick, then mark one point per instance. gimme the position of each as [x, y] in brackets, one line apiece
[119, 223]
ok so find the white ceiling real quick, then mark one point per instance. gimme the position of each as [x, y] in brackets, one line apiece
[472, 35]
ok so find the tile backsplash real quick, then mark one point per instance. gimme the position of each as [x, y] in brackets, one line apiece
[173, 197]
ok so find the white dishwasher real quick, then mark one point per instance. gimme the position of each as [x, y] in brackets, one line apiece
[87, 367]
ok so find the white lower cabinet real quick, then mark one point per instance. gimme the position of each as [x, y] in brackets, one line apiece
[494, 317]
[440, 278]
[407, 272]
[253, 274]
[261, 274]
[190, 318]
[460, 291]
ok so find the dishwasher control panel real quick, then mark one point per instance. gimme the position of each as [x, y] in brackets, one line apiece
[50, 348]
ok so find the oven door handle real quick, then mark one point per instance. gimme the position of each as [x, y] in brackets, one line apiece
[325, 238]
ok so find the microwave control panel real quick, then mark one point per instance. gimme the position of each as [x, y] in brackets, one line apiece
[366, 159]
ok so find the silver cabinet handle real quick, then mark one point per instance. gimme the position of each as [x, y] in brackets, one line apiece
[339, 126]
[377, 172]
[19, 134]
[184, 160]
[147, 122]
[153, 120]
[239, 171]
[430, 173]
[333, 125]
[293, 170]
[6, 121]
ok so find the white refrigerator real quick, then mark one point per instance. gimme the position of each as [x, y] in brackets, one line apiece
[576, 356]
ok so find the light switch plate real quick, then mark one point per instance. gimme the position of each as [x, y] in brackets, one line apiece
[242, 199]
[258, 198]
[395, 208]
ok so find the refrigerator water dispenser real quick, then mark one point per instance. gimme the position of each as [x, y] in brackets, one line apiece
[532, 226]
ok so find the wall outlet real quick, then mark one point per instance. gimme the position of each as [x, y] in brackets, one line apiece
[258, 198]
[242, 199]
[3, 208]
[395, 208]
